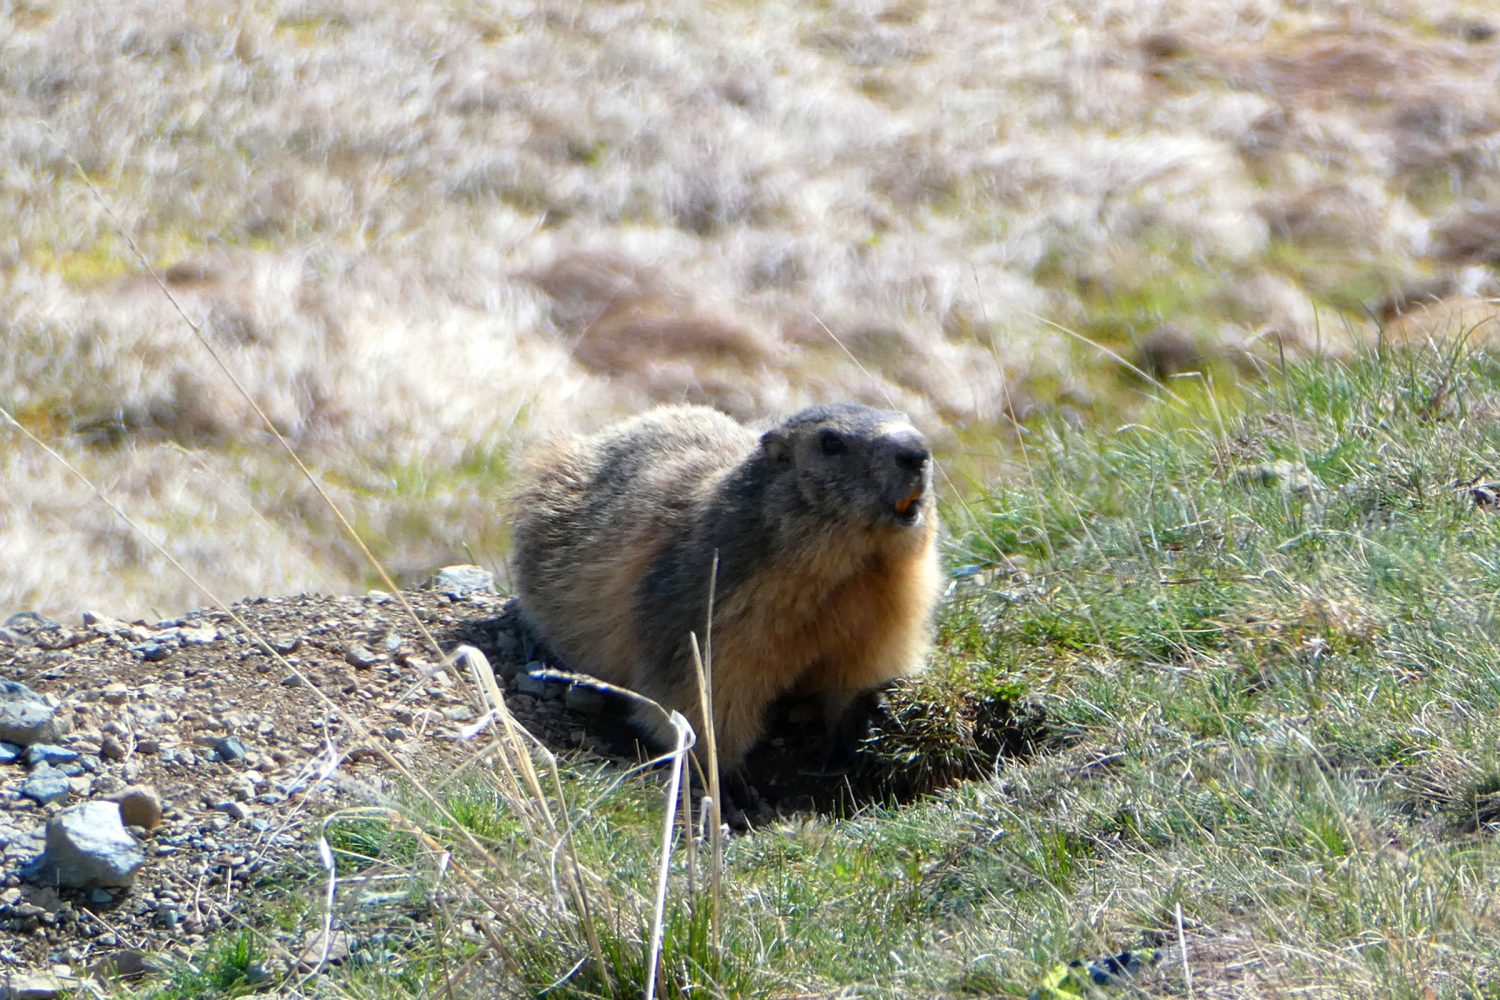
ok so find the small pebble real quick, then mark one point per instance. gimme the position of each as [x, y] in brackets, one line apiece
[46, 784]
[229, 750]
[49, 753]
[285, 644]
[140, 806]
[362, 656]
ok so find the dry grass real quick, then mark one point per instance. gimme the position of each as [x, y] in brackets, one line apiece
[424, 233]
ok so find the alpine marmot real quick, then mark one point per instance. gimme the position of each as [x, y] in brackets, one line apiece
[826, 534]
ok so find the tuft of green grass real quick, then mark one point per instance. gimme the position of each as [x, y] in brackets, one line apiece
[231, 966]
[363, 842]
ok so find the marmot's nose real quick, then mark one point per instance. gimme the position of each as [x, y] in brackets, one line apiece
[910, 451]
[911, 459]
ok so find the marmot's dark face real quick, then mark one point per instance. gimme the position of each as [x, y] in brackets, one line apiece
[854, 463]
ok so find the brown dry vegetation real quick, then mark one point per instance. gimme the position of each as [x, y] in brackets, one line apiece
[424, 233]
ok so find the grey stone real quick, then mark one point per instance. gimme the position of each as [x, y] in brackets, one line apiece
[9, 753]
[362, 656]
[46, 784]
[17, 842]
[197, 635]
[229, 750]
[153, 651]
[49, 753]
[463, 580]
[24, 722]
[88, 846]
[286, 644]
[105, 625]
[238, 810]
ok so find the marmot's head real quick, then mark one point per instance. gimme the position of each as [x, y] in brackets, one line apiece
[852, 463]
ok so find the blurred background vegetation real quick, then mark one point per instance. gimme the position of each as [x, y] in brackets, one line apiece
[426, 234]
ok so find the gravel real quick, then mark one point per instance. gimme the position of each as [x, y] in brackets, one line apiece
[222, 772]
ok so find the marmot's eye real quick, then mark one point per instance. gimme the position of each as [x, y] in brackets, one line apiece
[831, 442]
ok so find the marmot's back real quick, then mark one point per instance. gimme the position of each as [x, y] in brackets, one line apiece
[825, 534]
[593, 513]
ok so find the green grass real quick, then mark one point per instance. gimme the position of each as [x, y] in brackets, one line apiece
[233, 966]
[1262, 715]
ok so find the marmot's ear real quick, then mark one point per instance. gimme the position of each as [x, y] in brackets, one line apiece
[777, 449]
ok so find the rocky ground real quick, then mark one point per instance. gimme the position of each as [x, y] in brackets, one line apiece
[225, 758]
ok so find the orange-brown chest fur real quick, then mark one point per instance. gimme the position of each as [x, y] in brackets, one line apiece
[831, 617]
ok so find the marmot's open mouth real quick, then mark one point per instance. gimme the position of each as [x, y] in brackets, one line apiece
[906, 509]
